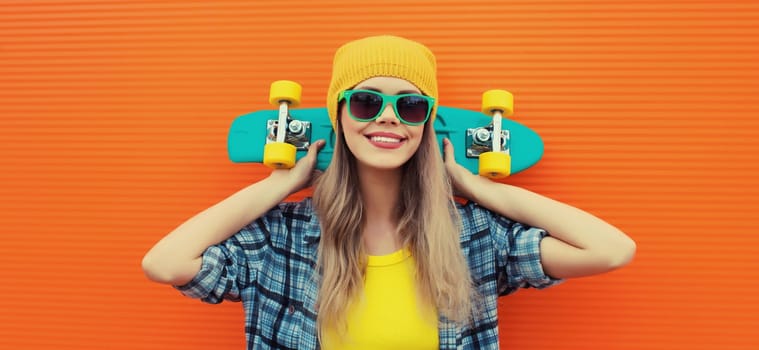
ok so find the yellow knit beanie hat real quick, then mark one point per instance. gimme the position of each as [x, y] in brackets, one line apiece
[385, 55]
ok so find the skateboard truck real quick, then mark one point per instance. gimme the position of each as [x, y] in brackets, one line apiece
[297, 133]
[279, 154]
[480, 140]
[495, 163]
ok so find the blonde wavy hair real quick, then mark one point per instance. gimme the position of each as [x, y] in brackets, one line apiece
[429, 225]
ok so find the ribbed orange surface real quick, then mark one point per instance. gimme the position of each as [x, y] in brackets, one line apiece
[114, 117]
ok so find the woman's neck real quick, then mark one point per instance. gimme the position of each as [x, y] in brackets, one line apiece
[380, 190]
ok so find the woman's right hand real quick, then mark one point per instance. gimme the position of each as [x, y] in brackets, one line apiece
[462, 180]
[302, 175]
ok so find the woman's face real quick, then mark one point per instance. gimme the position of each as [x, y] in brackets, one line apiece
[384, 143]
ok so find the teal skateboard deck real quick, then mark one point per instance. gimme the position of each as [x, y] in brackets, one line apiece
[468, 130]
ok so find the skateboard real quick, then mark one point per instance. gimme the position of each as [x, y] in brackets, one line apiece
[486, 143]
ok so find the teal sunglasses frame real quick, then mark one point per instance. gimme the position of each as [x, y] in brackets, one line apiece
[392, 99]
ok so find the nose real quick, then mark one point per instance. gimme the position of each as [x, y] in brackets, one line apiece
[388, 116]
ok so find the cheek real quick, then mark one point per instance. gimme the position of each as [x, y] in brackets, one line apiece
[347, 128]
[347, 125]
[345, 121]
[418, 133]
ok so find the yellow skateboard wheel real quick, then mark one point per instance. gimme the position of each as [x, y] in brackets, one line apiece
[285, 90]
[498, 100]
[495, 165]
[279, 155]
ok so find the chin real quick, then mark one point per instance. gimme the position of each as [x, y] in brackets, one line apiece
[384, 163]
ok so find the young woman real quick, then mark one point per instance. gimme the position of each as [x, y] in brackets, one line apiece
[381, 257]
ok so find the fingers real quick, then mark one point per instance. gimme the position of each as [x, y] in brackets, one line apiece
[314, 149]
[448, 151]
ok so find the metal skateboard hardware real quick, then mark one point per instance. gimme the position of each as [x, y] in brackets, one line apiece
[480, 140]
[297, 133]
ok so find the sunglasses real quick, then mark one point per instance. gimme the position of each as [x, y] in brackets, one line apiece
[368, 105]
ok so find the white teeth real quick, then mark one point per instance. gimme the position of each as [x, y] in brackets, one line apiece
[385, 139]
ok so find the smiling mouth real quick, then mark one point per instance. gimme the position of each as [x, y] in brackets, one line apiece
[384, 139]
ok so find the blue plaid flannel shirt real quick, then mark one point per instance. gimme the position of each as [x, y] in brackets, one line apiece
[269, 266]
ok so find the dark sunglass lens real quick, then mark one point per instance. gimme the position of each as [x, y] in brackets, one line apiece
[413, 109]
[365, 105]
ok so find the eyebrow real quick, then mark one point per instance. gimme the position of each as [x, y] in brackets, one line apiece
[402, 92]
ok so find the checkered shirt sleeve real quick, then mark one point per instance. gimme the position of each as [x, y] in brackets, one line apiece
[515, 247]
[231, 266]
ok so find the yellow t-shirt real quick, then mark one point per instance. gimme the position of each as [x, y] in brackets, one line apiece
[390, 314]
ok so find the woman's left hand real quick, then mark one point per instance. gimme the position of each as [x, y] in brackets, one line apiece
[462, 179]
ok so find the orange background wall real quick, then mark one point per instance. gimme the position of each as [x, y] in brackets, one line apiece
[114, 117]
